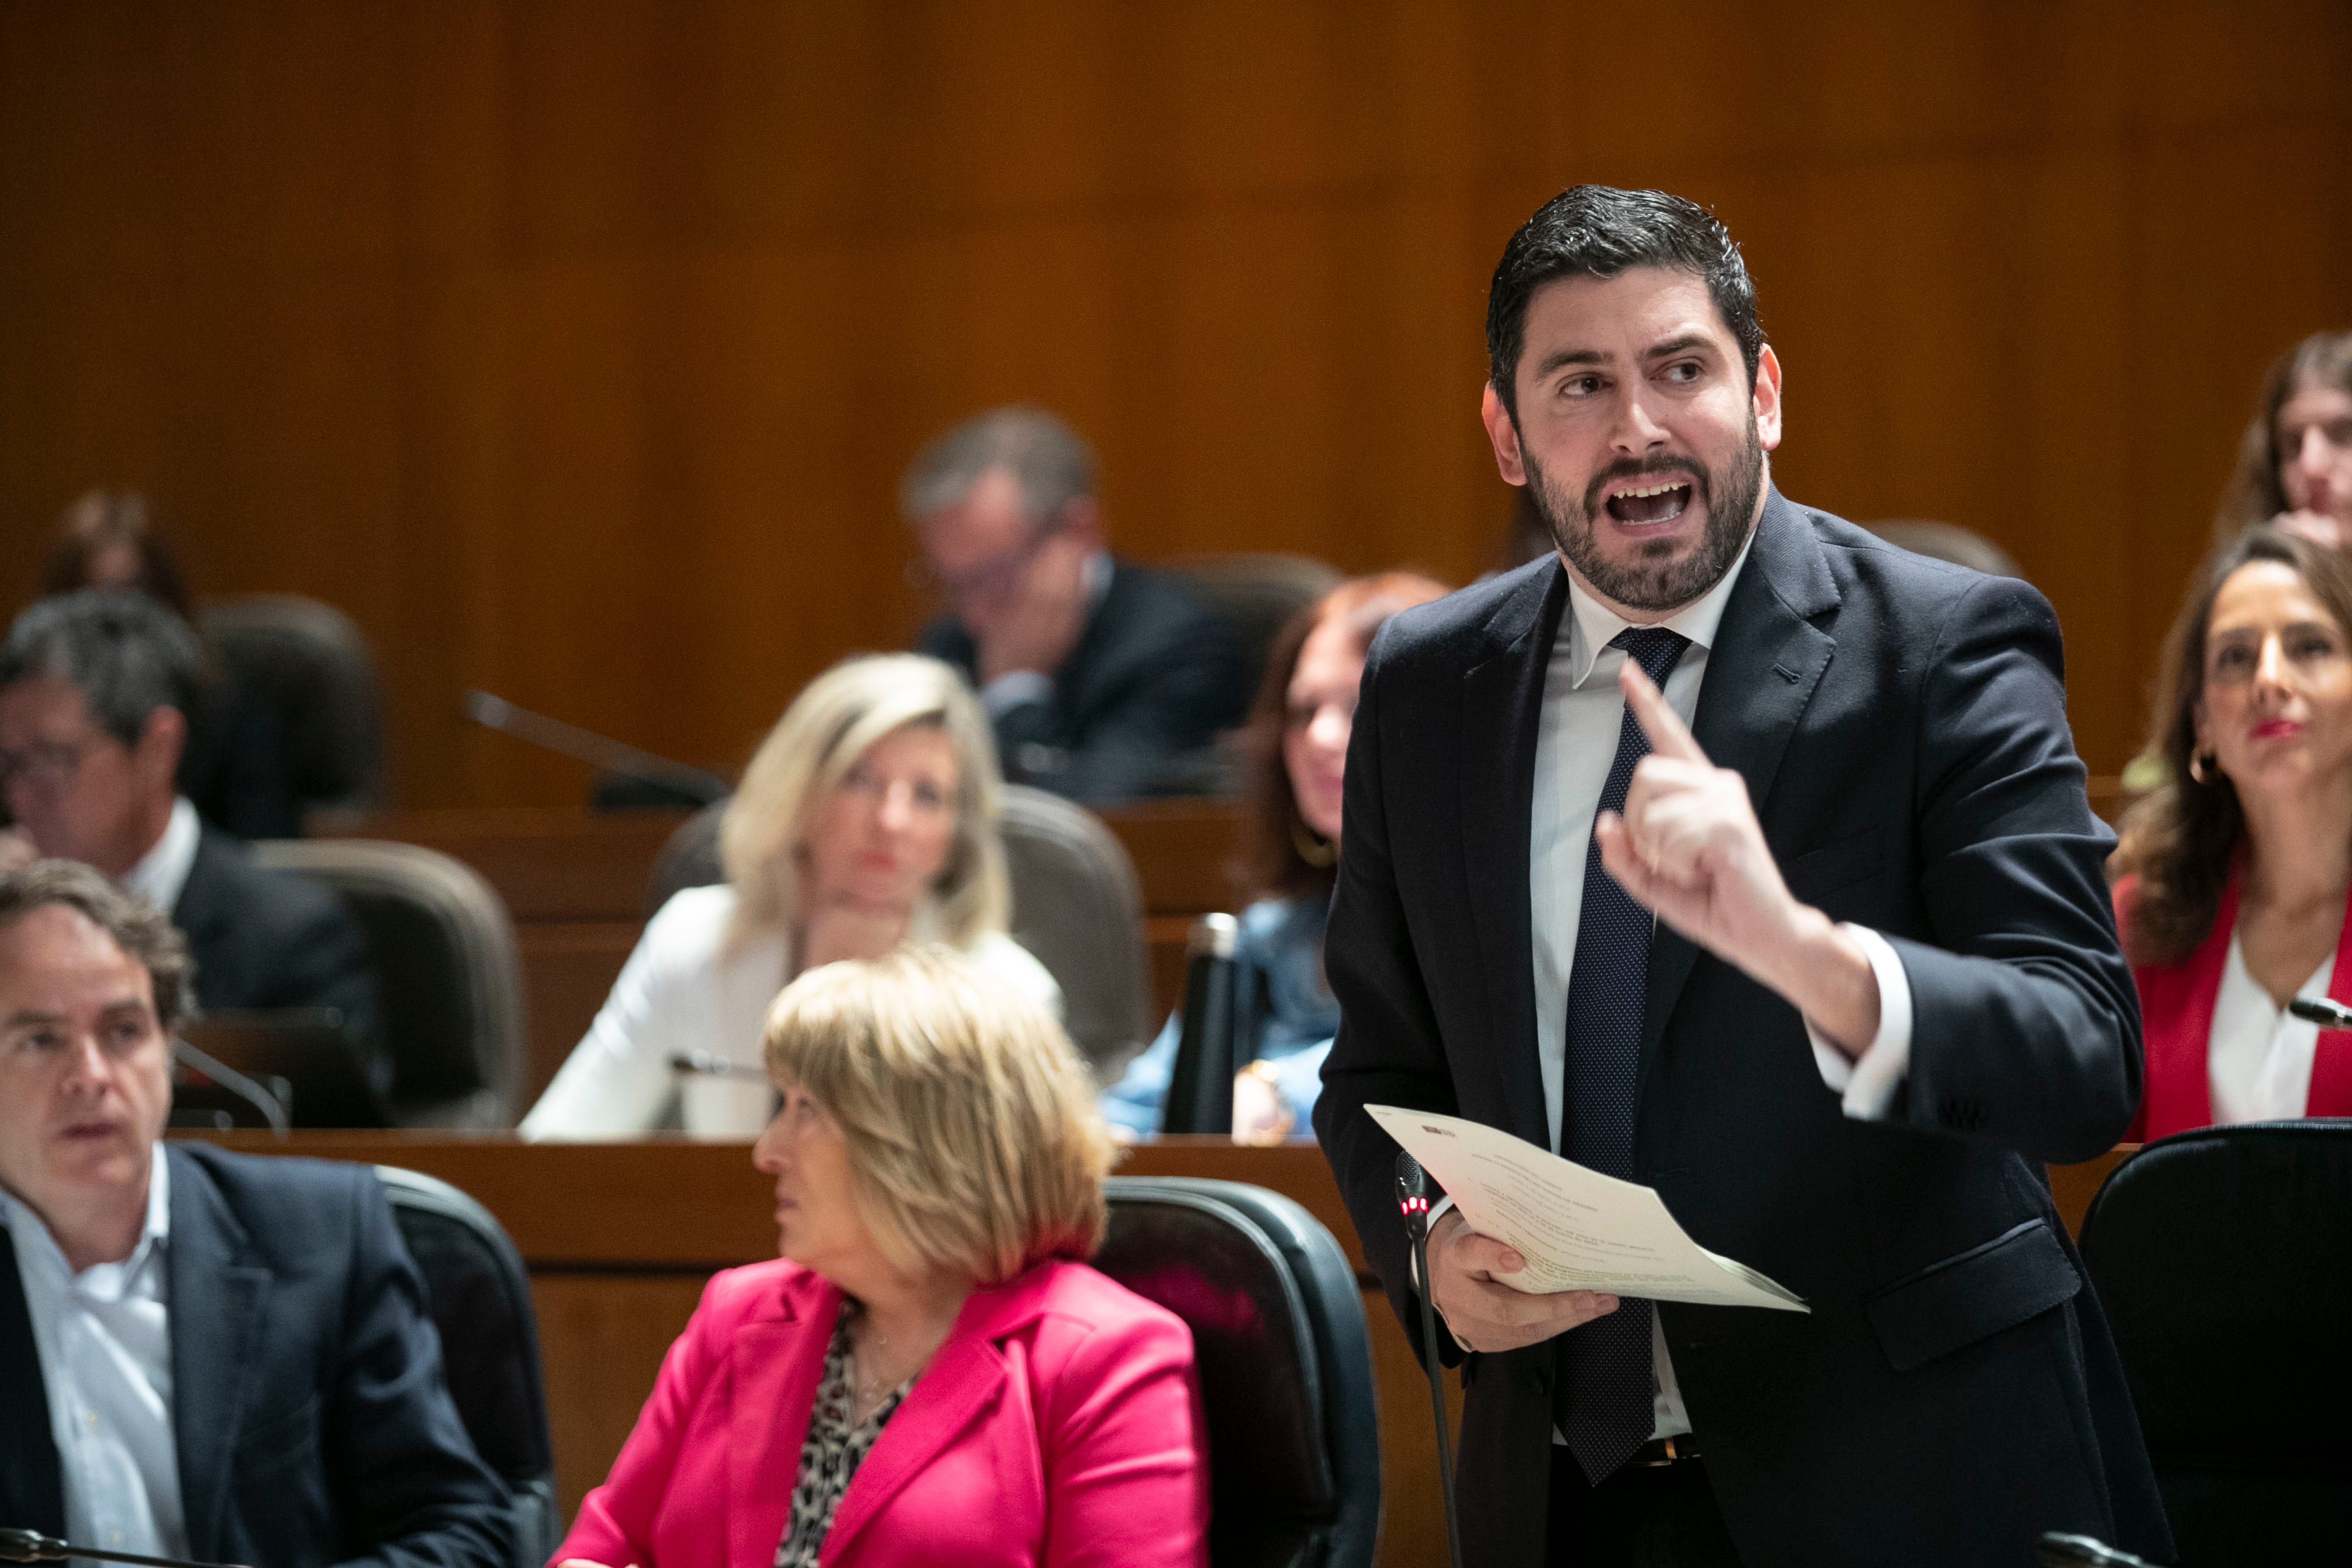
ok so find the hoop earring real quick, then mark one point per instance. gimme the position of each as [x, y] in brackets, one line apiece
[2196, 767]
[1313, 847]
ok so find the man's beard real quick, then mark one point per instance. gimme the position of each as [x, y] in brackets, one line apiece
[1654, 579]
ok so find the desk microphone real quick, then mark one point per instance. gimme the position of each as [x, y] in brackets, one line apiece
[702, 1064]
[2057, 1550]
[1414, 1188]
[698, 784]
[31, 1546]
[2319, 1010]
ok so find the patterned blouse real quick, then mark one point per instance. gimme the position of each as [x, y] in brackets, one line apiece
[833, 1452]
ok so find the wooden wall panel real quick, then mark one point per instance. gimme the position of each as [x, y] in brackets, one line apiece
[575, 347]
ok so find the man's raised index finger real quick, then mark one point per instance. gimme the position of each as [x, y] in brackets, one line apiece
[1669, 736]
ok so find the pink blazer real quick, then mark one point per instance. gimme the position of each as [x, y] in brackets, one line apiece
[1059, 1423]
[2176, 1009]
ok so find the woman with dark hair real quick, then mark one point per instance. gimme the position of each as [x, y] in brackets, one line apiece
[2295, 463]
[2232, 877]
[1296, 744]
[107, 539]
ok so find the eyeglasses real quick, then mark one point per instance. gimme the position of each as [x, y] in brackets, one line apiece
[50, 764]
[996, 576]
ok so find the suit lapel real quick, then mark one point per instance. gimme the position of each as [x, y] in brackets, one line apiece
[1766, 662]
[965, 1377]
[776, 1362]
[218, 1299]
[1502, 702]
[199, 908]
[32, 1486]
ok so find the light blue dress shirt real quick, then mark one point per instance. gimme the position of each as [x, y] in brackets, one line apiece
[104, 1338]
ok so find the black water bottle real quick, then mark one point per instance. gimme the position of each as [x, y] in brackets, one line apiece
[1200, 1085]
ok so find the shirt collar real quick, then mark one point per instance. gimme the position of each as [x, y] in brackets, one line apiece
[18, 1218]
[1096, 575]
[1595, 623]
[162, 871]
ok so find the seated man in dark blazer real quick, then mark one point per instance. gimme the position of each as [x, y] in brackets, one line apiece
[1105, 680]
[209, 1355]
[95, 690]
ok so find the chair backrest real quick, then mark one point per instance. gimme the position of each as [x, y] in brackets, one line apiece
[2223, 1258]
[310, 663]
[446, 970]
[480, 1300]
[1285, 1361]
[689, 859]
[1255, 595]
[1948, 542]
[1077, 906]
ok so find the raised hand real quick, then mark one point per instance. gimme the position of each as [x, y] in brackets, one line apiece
[1688, 849]
[1042, 621]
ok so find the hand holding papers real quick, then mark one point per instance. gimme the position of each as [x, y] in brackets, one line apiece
[1577, 1229]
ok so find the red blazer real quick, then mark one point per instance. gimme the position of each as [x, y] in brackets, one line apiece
[1058, 1424]
[2176, 1010]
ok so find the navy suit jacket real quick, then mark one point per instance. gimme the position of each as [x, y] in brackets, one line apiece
[1901, 727]
[308, 1403]
[1153, 677]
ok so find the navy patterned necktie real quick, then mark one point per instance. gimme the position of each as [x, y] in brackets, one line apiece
[1605, 1399]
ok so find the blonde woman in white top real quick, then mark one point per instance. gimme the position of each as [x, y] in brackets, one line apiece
[867, 818]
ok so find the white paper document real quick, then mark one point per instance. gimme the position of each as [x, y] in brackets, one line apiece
[1577, 1229]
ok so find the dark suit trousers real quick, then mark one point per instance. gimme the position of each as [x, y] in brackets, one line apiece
[1639, 1518]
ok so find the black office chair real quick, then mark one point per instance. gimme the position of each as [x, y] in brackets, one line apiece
[1947, 542]
[310, 665]
[2223, 1258]
[1255, 594]
[446, 968]
[490, 1343]
[1285, 1361]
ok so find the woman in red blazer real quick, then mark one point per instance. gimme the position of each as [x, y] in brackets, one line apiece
[2233, 875]
[930, 1375]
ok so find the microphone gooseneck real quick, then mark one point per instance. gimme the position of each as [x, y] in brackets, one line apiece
[1413, 1190]
[2321, 1011]
[32, 1546]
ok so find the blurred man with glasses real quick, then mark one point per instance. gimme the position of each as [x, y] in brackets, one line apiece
[1104, 680]
[96, 690]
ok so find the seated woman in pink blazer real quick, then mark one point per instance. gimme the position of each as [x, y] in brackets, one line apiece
[931, 1374]
[2233, 875]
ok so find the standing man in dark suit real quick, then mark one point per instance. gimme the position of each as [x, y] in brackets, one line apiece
[95, 692]
[1105, 680]
[1733, 852]
[210, 1355]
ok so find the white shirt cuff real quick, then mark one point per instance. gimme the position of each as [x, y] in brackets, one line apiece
[1866, 1084]
[1014, 688]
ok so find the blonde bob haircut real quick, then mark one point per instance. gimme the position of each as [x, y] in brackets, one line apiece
[972, 1137]
[819, 738]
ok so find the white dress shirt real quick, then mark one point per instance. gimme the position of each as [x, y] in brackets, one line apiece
[162, 871]
[104, 1339]
[2258, 1056]
[1576, 741]
[689, 987]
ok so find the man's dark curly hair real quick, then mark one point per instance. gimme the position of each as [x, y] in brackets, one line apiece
[1600, 231]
